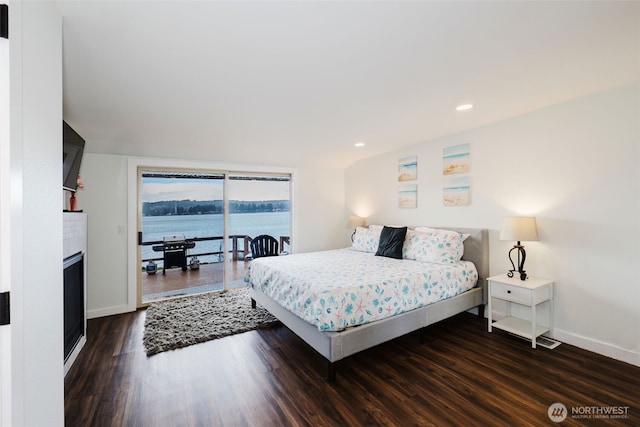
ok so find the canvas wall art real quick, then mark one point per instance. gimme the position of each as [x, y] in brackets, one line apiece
[457, 191]
[408, 169]
[456, 159]
[408, 196]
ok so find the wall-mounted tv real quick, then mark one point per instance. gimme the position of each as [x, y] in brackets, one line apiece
[72, 150]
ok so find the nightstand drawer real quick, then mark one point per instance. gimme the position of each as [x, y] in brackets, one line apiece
[511, 293]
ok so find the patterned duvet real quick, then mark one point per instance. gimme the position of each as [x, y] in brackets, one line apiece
[337, 289]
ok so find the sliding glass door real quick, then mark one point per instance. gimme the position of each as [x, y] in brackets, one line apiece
[182, 233]
[195, 228]
[258, 204]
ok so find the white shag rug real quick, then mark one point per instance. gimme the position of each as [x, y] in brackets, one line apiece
[182, 322]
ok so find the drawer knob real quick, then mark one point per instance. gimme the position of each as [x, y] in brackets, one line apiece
[508, 291]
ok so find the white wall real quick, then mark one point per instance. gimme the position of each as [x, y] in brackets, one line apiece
[318, 219]
[35, 38]
[104, 200]
[575, 166]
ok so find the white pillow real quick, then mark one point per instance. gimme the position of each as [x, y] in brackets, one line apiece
[433, 245]
[412, 242]
[463, 236]
[366, 239]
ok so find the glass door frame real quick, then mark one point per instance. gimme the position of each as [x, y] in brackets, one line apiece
[260, 176]
[225, 235]
[134, 207]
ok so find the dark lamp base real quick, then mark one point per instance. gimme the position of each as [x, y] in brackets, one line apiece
[522, 255]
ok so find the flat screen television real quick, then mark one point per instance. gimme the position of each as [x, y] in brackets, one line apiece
[72, 150]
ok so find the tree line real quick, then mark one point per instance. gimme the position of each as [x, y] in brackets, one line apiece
[199, 207]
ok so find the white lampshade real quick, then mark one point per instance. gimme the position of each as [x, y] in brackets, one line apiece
[519, 228]
[355, 221]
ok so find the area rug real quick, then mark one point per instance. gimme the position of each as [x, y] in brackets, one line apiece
[191, 320]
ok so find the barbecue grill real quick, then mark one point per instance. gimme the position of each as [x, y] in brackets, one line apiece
[174, 249]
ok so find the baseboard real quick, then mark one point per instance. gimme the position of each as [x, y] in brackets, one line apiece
[109, 311]
[599, 347]
[589, 344]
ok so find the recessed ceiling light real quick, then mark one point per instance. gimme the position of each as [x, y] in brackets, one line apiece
[359, 144]
[464, 107]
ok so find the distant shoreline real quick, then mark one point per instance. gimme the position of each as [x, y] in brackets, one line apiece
[210, 213]
[203, 207]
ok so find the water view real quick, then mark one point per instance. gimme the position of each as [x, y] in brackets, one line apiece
[155, 228]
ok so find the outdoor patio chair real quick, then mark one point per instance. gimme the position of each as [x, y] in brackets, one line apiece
[264, 245]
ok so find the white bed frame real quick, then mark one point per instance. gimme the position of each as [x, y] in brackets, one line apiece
[335, 346]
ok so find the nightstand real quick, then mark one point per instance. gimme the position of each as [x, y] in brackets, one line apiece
[531, 293]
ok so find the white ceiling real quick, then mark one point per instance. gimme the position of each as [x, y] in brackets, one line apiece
[299, 82]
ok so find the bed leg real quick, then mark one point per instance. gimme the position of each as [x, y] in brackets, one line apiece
[481, 311]
[331, 372]
[253, 303]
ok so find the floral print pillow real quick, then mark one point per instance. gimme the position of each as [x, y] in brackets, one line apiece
[433, 245]
[366, 239]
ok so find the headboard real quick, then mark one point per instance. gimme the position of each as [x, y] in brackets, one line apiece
[476, 250]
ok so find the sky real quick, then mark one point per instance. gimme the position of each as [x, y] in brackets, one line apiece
[158, 189]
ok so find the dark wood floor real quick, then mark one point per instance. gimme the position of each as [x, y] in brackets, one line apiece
[459, 375]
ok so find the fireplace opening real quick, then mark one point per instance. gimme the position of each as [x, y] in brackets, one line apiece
[73, 302]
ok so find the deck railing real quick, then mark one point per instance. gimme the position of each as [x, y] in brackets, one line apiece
[239, 247]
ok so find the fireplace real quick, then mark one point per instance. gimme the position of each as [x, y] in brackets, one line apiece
[75, 285]
[73, 302]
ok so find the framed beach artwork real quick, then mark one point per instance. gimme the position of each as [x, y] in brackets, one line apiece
[408, 196]
[408, 169]
[457, 191]
[456, 159]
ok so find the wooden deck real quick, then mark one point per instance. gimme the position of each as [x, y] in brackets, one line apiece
[209, 277]
[177, 282]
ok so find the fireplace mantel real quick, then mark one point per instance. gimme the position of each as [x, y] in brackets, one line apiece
[74, 231]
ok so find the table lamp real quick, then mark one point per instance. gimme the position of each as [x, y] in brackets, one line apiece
[520, 229]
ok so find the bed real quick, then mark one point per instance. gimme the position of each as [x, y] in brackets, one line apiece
[333, 332]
